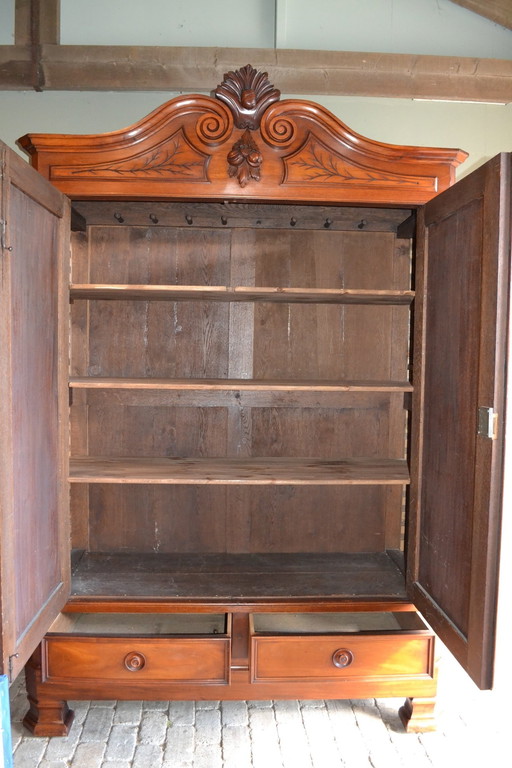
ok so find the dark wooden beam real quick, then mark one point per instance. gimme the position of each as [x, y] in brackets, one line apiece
[15, 68]
[49, 21]
[36, 22]
[22, 18]
[148, 68]
[499, 11]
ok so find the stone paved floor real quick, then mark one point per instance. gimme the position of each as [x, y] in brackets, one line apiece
[472, 732]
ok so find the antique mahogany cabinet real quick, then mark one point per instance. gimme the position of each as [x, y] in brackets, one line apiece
[252, 407]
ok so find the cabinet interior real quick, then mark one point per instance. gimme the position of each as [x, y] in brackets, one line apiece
[139, 624]
[107, 624]
[240, 390]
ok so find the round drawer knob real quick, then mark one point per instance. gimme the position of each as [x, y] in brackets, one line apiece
[134, 661]
[342, 658]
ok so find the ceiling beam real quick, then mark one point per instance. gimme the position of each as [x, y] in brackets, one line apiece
[154, 68]
[36, 21]
[499, 11]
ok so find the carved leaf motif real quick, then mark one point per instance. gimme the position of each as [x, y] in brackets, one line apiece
[247, 93]
[245, 160]
[315, 162]
[176, 159]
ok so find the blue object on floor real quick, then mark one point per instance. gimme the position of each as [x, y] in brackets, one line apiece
[6, 745]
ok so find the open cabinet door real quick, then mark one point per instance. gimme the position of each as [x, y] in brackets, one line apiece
[459, 375]
[34, 548]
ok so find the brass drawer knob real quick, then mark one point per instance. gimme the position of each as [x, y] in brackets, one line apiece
[342, 658]
[134, 661]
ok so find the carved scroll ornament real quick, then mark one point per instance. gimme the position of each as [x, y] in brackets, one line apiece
[247, 93]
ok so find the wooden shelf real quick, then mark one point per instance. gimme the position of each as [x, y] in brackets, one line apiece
[239, 293]
[225, 393]
[245, 385]
[217, 577]
[237, 471]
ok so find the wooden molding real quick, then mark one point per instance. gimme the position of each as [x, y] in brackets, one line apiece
[499, 11]
[147, 68]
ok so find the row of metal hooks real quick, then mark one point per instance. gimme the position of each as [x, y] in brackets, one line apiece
[224, 220]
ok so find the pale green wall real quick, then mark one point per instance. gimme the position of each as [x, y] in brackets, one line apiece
[226, 23]
[416, 26]
[398, 26]
[6, 22]
[437, 27]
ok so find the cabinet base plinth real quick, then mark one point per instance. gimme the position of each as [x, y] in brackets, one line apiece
[418, 715]
[46, 716]
[50, 719]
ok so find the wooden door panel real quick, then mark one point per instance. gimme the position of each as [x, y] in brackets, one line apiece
[462, 304]
[34, 561]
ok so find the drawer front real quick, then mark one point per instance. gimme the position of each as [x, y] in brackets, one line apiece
[180, 660]
[322, 658]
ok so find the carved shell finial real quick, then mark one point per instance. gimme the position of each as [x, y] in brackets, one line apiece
[247, 93]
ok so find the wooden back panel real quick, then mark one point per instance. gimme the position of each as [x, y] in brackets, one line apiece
[294, 342]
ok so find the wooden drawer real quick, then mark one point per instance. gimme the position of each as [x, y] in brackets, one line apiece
[164, 648]
[195, 660]
[333, 657]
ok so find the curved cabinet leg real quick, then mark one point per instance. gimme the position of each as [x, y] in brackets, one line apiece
[46, 716]
[417, 715]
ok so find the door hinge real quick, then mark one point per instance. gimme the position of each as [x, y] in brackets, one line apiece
[3, 234]
[14, 656]
[487, 422]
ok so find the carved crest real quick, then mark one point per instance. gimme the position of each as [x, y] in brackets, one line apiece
[247, 93]
[245, 160]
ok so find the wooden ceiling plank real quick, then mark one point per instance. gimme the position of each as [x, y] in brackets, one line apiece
[499, 11]
[153, 68]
